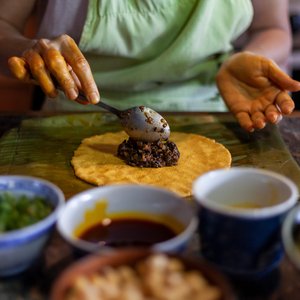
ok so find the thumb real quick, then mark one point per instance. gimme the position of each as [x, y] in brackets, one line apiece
[282, 79]
[17, 66]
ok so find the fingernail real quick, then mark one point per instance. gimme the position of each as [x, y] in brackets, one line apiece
[53, 94]
[93, 97]
[72, 94]
[279, 118]
[287, 109]
[250, 129]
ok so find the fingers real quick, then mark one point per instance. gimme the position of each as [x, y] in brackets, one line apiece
[281, 79]
[84, 102]
[59, 69]
[80, 66]
[40, 73]
[285, 103]
[257, 116]
[273, 114]
[245, 121]
[242, 113]
[57, 62]
[78, 84]
[251, 122]
[75, 78]
[258, 119]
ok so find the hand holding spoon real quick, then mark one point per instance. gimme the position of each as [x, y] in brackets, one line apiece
[140, 123]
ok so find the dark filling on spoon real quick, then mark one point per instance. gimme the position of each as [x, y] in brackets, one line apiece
[161, 153]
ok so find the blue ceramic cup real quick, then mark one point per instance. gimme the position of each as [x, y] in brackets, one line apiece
[241, 211]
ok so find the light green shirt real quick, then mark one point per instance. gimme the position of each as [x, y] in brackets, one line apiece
[163, 54]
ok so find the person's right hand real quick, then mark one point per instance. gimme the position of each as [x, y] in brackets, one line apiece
[57, 62]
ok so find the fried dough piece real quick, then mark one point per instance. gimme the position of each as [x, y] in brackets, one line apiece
[95, 161]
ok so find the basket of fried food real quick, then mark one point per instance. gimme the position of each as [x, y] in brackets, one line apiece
[140, 274]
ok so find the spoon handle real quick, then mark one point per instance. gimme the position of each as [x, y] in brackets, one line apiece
[109, 108]
[103, 105]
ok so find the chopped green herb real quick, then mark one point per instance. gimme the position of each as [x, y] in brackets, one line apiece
[19, 211]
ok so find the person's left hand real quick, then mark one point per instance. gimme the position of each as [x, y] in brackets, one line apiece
[255, 90]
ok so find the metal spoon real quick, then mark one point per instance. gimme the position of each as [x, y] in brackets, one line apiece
[140, 122]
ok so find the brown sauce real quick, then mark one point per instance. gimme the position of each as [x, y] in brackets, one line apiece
[128, 232]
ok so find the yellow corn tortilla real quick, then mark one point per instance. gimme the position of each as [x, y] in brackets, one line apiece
[95, 161]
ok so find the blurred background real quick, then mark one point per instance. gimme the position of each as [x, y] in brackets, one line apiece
[294, 61]
[19, 97]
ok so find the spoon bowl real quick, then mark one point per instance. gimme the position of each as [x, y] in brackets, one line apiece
[140, 122]
[144, 124]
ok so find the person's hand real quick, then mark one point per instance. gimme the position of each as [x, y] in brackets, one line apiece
[255, 90]
[57, 62]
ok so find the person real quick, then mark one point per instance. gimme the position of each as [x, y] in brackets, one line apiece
[165, 54]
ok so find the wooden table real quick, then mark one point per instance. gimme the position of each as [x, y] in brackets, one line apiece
[283, 283]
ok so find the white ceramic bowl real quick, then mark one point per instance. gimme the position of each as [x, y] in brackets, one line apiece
[131, 199]
[291, 230]
[20, 248]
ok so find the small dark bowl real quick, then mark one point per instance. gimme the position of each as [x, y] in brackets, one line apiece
[130, 256]
[291, 236]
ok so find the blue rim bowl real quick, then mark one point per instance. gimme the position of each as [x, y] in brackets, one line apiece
[20, 248]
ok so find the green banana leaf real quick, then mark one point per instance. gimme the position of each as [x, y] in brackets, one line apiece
[43, 146]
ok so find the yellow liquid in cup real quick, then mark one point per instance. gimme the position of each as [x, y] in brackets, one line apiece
[254, 205]
[246, 205]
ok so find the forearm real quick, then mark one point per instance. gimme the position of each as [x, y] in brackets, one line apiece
[274, 43]
[269, 34]
[12, 43]
[13, 17]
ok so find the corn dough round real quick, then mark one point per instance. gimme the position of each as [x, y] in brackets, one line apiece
[95, 161]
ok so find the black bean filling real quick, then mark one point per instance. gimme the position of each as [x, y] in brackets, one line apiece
[142, 154]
